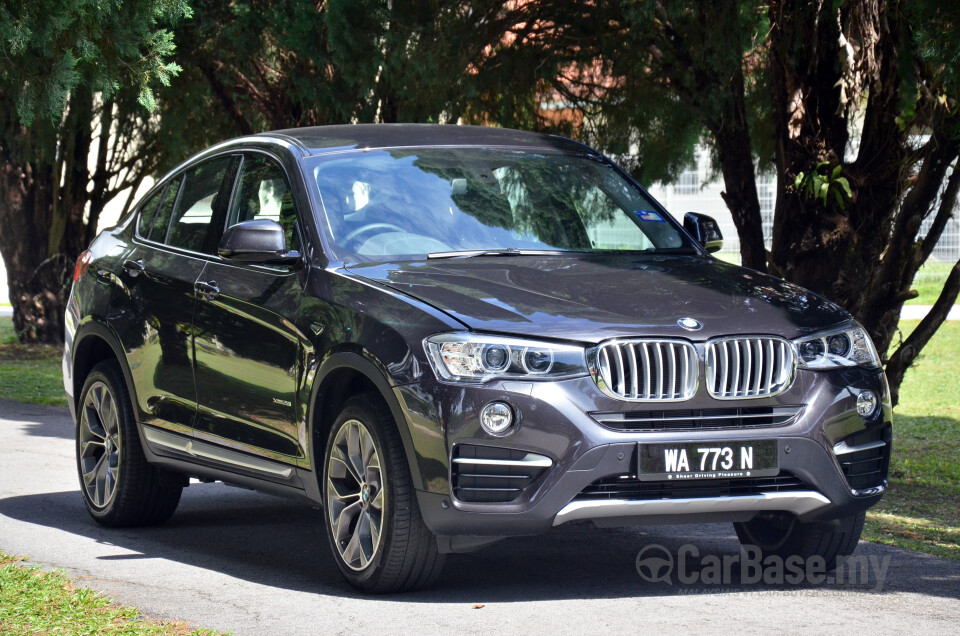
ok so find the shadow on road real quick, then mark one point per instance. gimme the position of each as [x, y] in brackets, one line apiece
[275, 542]
[37, 420]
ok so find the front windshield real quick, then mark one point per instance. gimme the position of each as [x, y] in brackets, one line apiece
[411, 202]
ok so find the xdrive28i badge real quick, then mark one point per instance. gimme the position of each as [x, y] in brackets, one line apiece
[690, 324]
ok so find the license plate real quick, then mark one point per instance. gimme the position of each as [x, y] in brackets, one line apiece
[708, 460]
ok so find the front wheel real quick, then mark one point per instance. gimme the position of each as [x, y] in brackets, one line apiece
[783, 535]
[371, 515]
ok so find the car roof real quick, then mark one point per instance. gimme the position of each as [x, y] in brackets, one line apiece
[324, 139]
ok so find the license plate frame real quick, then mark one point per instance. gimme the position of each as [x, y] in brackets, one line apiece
[708, 459]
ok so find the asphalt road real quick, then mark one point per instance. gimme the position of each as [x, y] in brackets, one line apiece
[254, 564]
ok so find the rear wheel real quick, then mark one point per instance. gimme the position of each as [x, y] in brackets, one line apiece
[119, 487]
[371, 515]
[783, 535]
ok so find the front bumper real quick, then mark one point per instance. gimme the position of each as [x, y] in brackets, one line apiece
[556, 423]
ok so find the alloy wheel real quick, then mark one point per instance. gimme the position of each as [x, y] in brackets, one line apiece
[355, 496]
[100, 444]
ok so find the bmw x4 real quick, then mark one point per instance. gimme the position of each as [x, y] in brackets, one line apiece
[444, 336]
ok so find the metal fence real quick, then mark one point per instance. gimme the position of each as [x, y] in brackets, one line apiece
[946, 251]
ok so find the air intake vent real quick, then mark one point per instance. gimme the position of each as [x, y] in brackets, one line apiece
[648, 370]
[739, 368]
[865, 457]
[629, 487]
[698, 419]
[494, 475]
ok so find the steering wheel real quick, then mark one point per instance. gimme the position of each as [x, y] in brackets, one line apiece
[369, 228]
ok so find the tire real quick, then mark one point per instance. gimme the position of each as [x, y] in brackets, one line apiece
[371, 515]
[782, 535]
[119, 487]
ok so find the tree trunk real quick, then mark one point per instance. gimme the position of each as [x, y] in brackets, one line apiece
[43, 202]
[739, 176]
[37, 279]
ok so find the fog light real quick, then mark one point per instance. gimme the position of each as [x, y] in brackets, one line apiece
[867, 403]
[496, 418]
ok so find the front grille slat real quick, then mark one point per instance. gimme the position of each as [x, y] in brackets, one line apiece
[768, 378]
[670, 379]
[748, 351]
[749, 367]
[723, 367]
[698, 419]
[735, 373]
[634, 379]
[659, 371]
[648, 370]
[620, 375]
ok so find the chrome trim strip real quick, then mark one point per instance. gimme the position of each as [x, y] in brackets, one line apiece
[203, 450]
[843, 449]
[867, 492]
[798, 502]
[782, 412]
[529, 460]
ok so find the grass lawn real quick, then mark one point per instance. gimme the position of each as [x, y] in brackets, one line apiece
[29, 373]
[921, 511]
[929, 281]
[33, 601]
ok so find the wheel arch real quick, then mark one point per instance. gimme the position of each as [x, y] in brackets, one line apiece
[341, 376]
[93, 344]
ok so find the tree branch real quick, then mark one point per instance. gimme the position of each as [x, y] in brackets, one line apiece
[948, 201]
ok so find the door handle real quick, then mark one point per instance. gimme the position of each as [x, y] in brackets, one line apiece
[134, 268]
[207, 289]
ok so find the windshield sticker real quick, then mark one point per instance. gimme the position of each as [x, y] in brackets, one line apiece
[649, 215]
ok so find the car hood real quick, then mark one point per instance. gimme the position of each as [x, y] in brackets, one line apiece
[589, 298]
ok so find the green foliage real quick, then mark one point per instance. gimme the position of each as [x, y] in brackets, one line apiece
[825, 185]
[932, 74]
[254, 65]
[50, 47]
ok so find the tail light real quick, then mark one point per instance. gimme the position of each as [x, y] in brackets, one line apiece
[83, 264]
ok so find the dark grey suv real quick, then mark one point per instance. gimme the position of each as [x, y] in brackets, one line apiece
[448, 335]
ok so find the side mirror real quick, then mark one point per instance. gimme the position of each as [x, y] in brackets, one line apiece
[704, 229]
[260, 241]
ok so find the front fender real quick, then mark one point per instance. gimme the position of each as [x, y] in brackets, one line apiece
[364, 363]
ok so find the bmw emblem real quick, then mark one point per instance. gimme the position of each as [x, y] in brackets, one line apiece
[690, 324]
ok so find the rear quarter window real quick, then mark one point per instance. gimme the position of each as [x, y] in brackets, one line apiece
[148, 211]
[161, 218]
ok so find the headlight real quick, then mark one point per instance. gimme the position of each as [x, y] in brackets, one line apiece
[475, 358]
[845, 346]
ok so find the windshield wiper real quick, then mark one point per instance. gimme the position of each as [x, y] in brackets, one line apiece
[511, 251]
